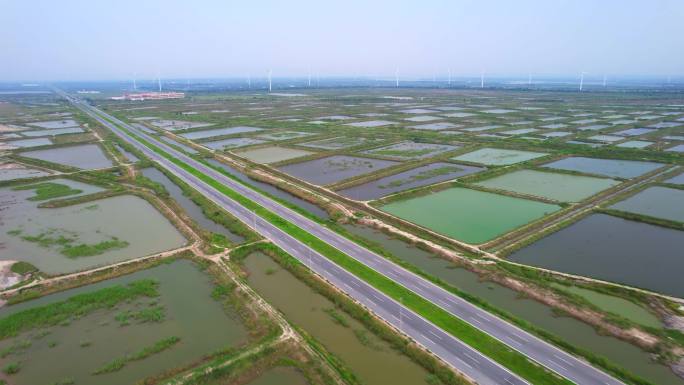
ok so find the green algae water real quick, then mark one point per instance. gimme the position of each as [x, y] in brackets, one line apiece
[469, 215]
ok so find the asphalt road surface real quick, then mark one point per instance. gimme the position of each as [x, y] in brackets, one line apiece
[465, 359]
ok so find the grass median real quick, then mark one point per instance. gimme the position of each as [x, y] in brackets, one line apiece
[487, 345]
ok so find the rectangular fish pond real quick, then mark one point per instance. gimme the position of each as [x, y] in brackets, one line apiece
[85, 156]
[118, 331]
[469, 215]
[498, 156]
[560, 187]
[412, 150]
[417, 177]
[660, 202]
[613, 168]
[81, 236]
[613, 249]
[333, 169]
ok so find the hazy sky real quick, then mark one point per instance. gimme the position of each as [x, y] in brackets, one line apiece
[101, 39]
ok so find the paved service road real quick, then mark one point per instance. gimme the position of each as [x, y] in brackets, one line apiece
[467, 360]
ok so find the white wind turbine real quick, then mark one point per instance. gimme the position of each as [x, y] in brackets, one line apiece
[270, 85]
[581, 81]
[396, 78]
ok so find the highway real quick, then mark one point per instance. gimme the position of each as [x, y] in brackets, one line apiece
[467, 360]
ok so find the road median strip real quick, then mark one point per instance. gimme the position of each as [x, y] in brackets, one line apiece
[484, 343]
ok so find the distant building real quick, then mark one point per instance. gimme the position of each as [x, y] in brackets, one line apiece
[150, 96]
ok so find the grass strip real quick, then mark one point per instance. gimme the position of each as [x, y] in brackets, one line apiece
[74, 307]
[158, 347]
[48, 190]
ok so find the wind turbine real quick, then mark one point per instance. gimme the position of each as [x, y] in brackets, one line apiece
[529, 80]
[270, 73]
[135, 86]
[604, 81]
[396, 78]
[581, 81]
[309, 78]
[482, 79]
[159, 82]
[249, 81]
[449, 81]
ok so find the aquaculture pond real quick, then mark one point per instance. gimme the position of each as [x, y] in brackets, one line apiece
[635, 144]
[576, 332]
[469, 215]
[334, 168]
[656, 201]
[232, 143]
[55, 124]
[272, 154]
[616, 305]
[498, 156]
[411, 150]
[219, 132]
[417, 177]
[284, 135]
[371, 359]
[190, 207]
[85, 156]
[182, 318]
[613, 168]
[272, 190]
[336, 143]
[57, 131]
[679, 179]
[613, 249]
[371, 123]
[175, 125]
[560, 187]
[84, 235]
[28, 143]
[12, 171]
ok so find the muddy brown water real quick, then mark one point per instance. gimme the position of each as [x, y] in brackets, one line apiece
[190, 207]
[371, 359]
[75, 350]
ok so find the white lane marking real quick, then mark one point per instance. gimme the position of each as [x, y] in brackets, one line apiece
[559, 365]
[562, 359]
[471, 357]
[379, 298]
[434, 334]
[466, 364]
[428, 338]
[476, 321]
